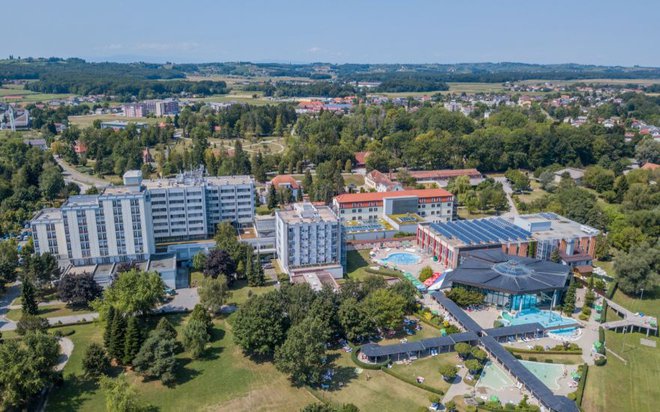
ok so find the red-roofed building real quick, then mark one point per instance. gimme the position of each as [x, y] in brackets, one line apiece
[361, 158]
[432, 205]
[650, 166]
[380, 182]
[286, 181]
[442, 177]
[80, 147]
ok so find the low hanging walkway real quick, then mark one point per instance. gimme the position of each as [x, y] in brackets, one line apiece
[630, 321]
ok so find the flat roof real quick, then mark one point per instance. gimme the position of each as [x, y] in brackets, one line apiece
[488, 231]
[376, 350]
[81, 201]
[197, 181]
[560, 226]
[307, 213]
[379, 196]
[48, 214]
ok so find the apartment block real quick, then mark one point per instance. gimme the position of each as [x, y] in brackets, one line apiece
[309, 236]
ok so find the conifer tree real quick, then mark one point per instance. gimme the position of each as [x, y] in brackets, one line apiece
[164, 324]
[133, 340]
[28, 299]
[107, 334]
[116, 349]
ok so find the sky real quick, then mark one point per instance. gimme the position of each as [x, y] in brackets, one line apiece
[602, 32]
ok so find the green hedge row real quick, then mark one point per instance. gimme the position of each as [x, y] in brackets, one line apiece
[412, 381]
[384, 272]
[603, 313]
[547, 352]
[581, 385]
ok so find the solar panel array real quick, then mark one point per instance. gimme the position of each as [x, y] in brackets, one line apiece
[482, 231]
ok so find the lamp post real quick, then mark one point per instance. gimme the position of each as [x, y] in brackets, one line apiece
[641, 295]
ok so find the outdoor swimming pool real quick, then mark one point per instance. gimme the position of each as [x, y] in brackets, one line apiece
[545, 317]
[401, 258]
[494, 377]
[548, 373]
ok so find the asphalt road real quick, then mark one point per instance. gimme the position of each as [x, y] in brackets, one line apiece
[83, 180]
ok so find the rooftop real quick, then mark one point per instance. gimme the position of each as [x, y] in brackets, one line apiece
[191, 180]
[494, 270]
[81, 201]
[379, 196]
[306, 212]
[488, 231]
[556, 226]
[47, 215]
[285, 180]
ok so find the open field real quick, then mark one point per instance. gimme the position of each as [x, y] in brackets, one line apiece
[356, 262]
[428, 368]
[650, 305]
[595, 81]
[620, 387]
[88, 120]
[14, 93]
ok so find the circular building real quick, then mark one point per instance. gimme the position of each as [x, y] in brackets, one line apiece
[510, 282]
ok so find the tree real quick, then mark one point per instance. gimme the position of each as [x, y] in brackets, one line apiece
[51, 182]
[132, 340]
[308, 181]
[118, 334]
[354, 320]
[213, 293]
[302, 355]
[27, 368]
[96, 361]
[648, 151]
[8, 262]
[109, 321]
[261, 325]
[555, 257]
[255, 276]
[448, 372]
[120, 396]
[478, 354]
[602, 247]
[29, 304]
[569, 299]
[135, 292]
[425, 273]
[464, 297]
[156, 358]
[450, 406]
[78, 289]
[31, 323]
[195, 337]
[225, 239]
[385, 309]
[638, 269]
[409, 294]
[200, 314]
[42, 269]
[272, 197]
[219, 262]
[463, 349]
[165, 328]
[474, 366]
[199, 261]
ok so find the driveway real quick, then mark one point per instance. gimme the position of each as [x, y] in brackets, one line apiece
[513, 210]
[184, 300]
[82, 179]
[11, 292]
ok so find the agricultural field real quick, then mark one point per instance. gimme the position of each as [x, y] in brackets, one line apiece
[14, 93]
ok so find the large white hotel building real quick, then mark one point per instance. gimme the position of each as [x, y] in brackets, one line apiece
[126, 222]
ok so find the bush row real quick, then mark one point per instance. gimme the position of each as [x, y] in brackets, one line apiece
[545, 352]
[363, 365]
[583, 381]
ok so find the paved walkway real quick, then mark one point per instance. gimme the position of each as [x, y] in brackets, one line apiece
[513, 210]
[11, 292]
[458, 386]
[82, 179]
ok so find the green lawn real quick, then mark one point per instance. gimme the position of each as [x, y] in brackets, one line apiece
[49, 312]
[356, 261]
[620, 387]
[650, 305]
[356, 179]
[224, 380]
[428, 369]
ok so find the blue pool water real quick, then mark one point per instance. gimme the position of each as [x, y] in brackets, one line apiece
[401, 258]
[544, 317]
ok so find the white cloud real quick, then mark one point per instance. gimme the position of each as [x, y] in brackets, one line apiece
[314, 49]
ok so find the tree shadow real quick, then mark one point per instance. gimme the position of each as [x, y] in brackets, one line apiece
[73, 394]
[183, 373]
[342, 376]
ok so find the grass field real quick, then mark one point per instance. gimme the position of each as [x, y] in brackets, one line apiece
[620, 387]
[428, 368]
[48, 312]
[14, 93]
[650, 305]
[88, 120]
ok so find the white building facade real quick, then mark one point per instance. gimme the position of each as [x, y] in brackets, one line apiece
[125, 222]
[309, 236]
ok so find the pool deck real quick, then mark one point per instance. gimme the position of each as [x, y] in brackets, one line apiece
[414, 269]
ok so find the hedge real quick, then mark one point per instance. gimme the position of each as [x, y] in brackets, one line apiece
[545, 352]
[581, 385]
[601, 335]
[611, 289]
[363, 365]
[427, 322]
[603, 313]
[412, 381]
[601, 361]
[385, 272]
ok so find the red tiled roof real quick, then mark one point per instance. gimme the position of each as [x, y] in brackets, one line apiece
[650, 166]
[361, 157]
[379, 177]
[376, 196]
[287, 180]
[444, 174]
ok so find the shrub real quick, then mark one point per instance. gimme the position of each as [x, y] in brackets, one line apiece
[602, 360]
[498, 324]
[363, 365]
[425, 273]
[96, 361]
[549, 361]
[584, 317]
[533, 359]
[601, 335]
[572, 396]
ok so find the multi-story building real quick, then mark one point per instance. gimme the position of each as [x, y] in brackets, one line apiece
[158, 108]
[87, 229]
[308, 238]
[125, 222]
[535, 235]
[191, 205]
